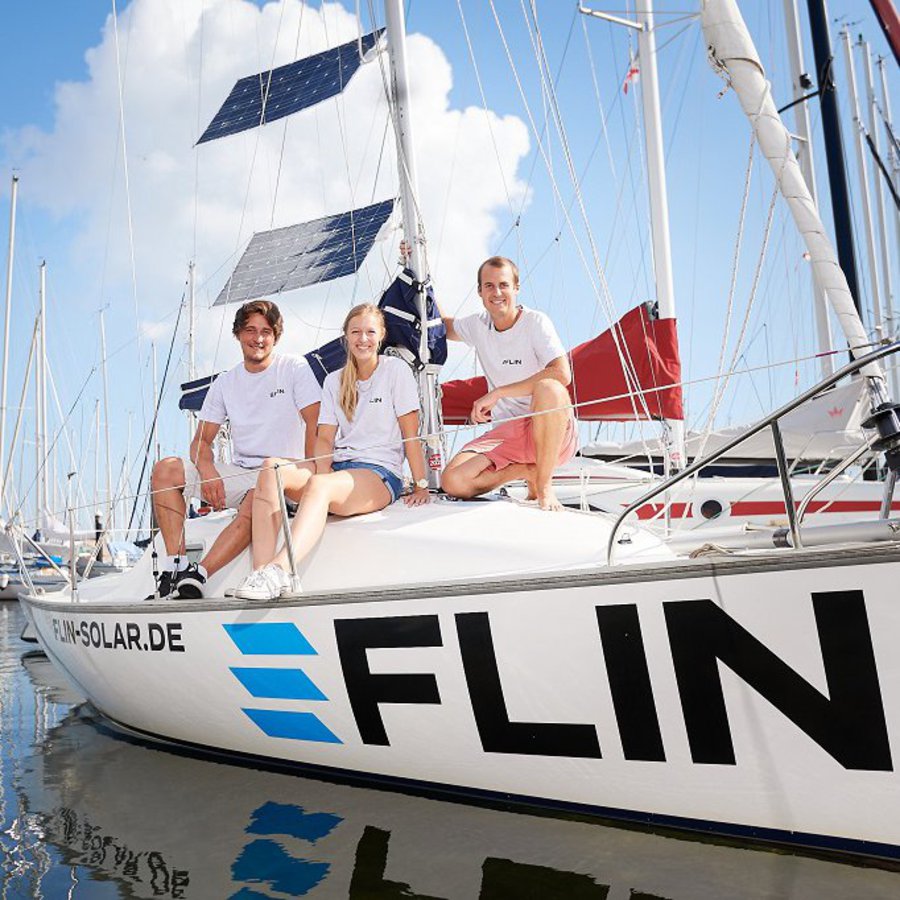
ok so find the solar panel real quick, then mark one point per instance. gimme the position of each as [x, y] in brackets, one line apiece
[308, 253]
[290, 88]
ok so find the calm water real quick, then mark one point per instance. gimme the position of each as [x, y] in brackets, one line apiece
[88, 814]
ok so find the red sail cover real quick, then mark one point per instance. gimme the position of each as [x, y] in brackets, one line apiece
[600, 386]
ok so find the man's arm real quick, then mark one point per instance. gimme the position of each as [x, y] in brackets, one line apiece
[452, 333]
[212, 489]
[310, 416]
[325, 435]
[558, 369]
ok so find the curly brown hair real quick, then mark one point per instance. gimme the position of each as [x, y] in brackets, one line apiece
[267, 309]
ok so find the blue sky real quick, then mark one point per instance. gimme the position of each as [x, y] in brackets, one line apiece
[60, 129]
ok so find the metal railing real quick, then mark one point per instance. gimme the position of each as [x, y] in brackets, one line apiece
[770, 421]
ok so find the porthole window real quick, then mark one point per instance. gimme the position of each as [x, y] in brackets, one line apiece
[709, 509]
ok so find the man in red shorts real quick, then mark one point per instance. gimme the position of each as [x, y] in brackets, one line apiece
[527, 372]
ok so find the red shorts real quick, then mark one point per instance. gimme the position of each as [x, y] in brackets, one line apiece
[513, 442]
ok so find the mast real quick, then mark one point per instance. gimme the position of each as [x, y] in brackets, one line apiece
[154, 447]
[834, 146]
[191, 349]
[889, 141]
[862, 169]
[412, 229]
[673, 429]
[801, 84]
[9, 273]
[110, 509]
[881, 219]
[673, 437]
[40, 382]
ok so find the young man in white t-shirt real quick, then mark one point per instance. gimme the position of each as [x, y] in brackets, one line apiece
[527, 372]
[272, 405]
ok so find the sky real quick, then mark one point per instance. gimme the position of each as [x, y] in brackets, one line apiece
[526, 145]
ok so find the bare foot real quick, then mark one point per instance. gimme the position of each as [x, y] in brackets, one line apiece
[547, 500]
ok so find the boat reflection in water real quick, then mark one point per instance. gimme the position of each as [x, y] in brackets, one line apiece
[145, 822]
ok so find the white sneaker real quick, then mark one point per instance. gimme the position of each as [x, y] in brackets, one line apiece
[266, 583]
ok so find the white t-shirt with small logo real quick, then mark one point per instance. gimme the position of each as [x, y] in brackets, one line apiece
[511, 355]
[373, 436]
[263, 408]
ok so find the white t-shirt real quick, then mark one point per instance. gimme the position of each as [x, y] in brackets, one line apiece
[263, 408]
[374, 434]
[511, 355]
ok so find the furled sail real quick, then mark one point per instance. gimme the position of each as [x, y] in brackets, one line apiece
[309, 253]
[646, 386]
[282, 91]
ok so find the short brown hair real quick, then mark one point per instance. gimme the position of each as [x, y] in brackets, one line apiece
[267, 309]
[497, 262]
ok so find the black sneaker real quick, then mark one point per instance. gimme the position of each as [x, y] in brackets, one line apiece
[165, 585]
[189, 583]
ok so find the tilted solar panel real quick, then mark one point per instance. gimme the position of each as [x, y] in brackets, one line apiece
[304, 254]
[277, 93]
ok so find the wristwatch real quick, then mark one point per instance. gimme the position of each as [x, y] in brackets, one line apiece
[422, 483]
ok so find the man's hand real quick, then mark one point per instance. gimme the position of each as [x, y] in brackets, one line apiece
[482, 407]
[213, 488]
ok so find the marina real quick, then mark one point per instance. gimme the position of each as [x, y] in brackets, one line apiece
[343, 650]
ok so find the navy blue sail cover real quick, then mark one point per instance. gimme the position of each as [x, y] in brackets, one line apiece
[279, 92]
[401, 316]
[309, 253]
[193, 393]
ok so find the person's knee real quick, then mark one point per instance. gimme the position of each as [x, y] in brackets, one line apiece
[317, 484]
[167, 473]
[454, 483]
[548, 393]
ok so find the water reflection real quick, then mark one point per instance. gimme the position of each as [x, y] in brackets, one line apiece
[89, 814]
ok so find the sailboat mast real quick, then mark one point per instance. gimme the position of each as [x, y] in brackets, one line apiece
[110, 509]
[43, 463]
[834, 146]
[881, 218]
[862, 169]
[9, 273]
[659, 204]
[412, 227]
[191, 349]
[801, 84]
[889, 139]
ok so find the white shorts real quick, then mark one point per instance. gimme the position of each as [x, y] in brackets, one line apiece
[237, 481]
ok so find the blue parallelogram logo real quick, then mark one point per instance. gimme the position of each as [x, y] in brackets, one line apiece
[278, 682]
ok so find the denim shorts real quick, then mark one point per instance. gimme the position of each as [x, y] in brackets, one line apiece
[391, 481]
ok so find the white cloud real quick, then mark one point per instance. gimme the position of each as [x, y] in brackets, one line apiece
[179, 60]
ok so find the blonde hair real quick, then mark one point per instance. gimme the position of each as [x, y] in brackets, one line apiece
[348, 395]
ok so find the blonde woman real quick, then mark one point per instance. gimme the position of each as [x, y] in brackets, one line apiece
[369, 420]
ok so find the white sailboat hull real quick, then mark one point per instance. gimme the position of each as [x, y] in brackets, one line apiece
[752, 696]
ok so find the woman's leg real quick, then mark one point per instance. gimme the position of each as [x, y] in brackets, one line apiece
[266, 513]
[350, 492]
